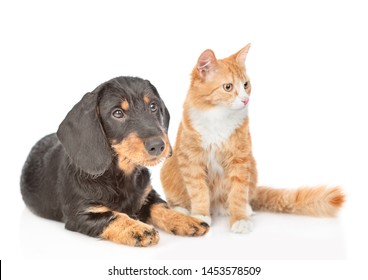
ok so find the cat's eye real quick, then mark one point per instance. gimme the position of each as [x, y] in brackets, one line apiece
[153, 107]
[228, 87]
[245, 84]
[118, 113]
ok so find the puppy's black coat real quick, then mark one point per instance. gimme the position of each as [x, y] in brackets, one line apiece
[91, 174]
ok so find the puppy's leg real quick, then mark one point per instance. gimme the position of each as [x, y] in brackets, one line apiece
[172, 221]
[131, 232]
[111, 225]
[156, 211]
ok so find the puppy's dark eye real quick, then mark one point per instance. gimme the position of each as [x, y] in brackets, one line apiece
[153, 107]
[228, 87]
[245, 84]
[118, 113]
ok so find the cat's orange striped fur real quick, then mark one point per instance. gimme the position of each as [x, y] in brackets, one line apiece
[212, 168]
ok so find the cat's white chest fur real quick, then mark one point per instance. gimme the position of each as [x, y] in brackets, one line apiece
[217, 124]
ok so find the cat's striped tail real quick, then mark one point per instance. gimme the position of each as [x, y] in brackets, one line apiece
[311, 201]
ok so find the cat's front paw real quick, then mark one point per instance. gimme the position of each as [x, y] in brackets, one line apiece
[242, 226]
[206, 219]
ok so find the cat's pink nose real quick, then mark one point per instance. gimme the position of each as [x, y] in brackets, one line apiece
[245, 100]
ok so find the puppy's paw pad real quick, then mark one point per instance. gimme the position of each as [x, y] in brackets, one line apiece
[182, 210]
[242, 226]
[145, 236]
[206, 219]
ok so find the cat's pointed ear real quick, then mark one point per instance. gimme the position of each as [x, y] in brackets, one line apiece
[206, 62]
[241, 55]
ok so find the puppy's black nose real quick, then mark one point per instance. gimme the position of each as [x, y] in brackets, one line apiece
[154, 146]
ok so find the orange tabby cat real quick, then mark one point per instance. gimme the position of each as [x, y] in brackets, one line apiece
[212, 169]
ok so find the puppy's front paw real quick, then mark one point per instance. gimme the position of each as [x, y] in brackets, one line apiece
[177, 223]
[242, 226]
[188, 226]
[143, 236]
[125, 230]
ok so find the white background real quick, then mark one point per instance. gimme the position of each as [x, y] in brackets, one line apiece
[308, 67]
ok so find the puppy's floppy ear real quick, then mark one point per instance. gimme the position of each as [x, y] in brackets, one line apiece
[166, 116]
[83, 138]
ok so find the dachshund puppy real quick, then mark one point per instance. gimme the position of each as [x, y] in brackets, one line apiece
[92, 175]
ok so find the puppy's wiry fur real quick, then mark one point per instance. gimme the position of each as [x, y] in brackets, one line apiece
[213, 169]
[92, 173]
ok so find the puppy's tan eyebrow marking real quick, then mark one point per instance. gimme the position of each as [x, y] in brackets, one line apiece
[146, 99]
[125, 105]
